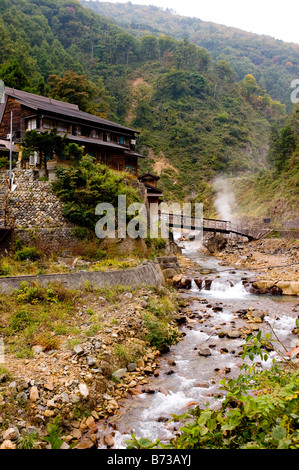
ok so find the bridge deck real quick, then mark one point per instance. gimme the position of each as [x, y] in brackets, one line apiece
[212, 225]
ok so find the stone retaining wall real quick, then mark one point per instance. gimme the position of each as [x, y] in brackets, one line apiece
[146, 274]
[49, 239]
[33, 203]
[38, 212]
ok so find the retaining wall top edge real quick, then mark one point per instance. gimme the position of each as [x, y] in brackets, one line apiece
[77, 274]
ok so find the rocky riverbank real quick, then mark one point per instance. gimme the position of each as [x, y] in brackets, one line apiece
[106, 355]
[82, 380]
[275, 263]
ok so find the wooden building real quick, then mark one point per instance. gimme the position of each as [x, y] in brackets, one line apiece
[154, 194]
[110, 143]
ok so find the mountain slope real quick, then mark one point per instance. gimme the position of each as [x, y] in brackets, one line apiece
[196, 119]
[274, 193]
[273, 63]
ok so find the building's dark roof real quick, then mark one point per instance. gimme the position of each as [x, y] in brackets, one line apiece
[130, 153]
[112, 145]
[90, 140]
[5, 145]
[148, 174]
[50, 105]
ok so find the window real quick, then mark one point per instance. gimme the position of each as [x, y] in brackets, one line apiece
[48, 123]
[94, 133]
[34, 159]
[31, 124]
[131, 168]
[121, 139]
[75, 130]
[83, 131]
[62, 127]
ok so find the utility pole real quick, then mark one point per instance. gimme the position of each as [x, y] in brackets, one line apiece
[10, 151]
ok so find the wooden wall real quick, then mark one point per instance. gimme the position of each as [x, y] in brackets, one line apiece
[19, 113]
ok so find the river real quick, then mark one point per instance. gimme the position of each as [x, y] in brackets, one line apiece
[187, 378]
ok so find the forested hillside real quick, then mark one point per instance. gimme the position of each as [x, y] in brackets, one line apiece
[275, 192]
[196, 118]
[273, 63]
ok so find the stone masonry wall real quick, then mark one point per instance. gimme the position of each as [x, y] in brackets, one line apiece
[38, 212]
[33, 203]
[48, 239]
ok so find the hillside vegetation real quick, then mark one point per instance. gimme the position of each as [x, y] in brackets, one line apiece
[273, 63]
[195, 116]
[274, 193]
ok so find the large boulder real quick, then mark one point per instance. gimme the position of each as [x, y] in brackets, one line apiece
[216, 243]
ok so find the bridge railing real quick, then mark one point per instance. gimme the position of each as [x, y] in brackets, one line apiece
[224, 226]
[185, 221]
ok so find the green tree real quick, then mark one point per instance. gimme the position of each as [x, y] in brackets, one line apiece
[223, 71]
[46, 144]
[125, 47]
[77, 89]
[13, 76]
[187, 55]
[166, 47]
[85, 184]
[149, 48]
[284, 146]
[250, 86]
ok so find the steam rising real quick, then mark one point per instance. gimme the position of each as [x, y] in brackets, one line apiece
[225, 202]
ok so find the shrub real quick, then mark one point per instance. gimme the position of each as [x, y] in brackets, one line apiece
[157, 244]
[37, 293]
[47, 340]
[4, 162]
[82, 233]
[266, 420]
[4, 269]
[87, 183]
[20, 320]
[54, 433]
[160, 335]
[29, 252]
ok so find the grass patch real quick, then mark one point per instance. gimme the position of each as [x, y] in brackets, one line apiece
[128, 352]
[114, 294]
[35, 314]
[21, 265]
[6, 375]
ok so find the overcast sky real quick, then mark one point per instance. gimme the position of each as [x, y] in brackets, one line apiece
[277, 18]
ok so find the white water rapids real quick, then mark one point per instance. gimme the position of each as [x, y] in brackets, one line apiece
[222, 289]
[192, 378]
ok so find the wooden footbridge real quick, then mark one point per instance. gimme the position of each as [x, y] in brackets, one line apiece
[225, 227]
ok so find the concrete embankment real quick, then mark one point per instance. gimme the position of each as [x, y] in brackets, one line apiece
[148, 274]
